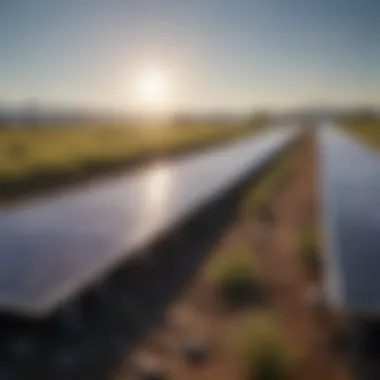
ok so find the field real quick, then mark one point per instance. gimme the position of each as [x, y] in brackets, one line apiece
[42, 157]
[367, 131]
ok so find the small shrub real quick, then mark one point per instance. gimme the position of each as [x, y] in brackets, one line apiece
[263, 350]
[236, 277]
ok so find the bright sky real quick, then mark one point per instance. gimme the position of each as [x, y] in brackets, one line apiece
[209, 54]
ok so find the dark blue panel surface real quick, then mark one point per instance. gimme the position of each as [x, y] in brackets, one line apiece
[49, 249]
[350, 178]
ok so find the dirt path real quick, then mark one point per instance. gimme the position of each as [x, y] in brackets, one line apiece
[297, 208]
[198, 312]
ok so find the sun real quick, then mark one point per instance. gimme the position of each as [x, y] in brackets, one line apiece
[152, 86]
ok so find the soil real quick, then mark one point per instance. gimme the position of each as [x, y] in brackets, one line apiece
[198, 313]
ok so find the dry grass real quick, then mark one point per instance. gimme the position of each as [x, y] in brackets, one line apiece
[70, 151]
[366, 131]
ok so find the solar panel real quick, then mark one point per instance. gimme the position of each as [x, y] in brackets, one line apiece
[50, 248]
[350, 177]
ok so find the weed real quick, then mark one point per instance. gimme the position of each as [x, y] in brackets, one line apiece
[236, 277]
[262, 349]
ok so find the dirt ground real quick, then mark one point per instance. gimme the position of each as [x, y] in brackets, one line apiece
[198, 312]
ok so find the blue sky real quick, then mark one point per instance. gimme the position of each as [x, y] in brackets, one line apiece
[217, 54]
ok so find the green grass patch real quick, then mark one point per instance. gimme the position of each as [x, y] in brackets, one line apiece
[236, 277]
[262, 349]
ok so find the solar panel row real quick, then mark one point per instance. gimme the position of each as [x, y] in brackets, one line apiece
[49, 249]
[350, 179]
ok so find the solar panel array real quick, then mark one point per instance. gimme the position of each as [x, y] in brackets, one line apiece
[50, 248]
[350, 179]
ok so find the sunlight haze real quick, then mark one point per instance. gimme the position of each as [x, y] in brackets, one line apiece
[208, 55]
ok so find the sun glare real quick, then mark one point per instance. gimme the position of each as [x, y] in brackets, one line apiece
[152, 86]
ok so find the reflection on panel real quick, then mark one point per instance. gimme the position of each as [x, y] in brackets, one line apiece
[51, 248]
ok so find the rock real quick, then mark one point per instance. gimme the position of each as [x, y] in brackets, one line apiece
[196, 352]
[149, 368]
